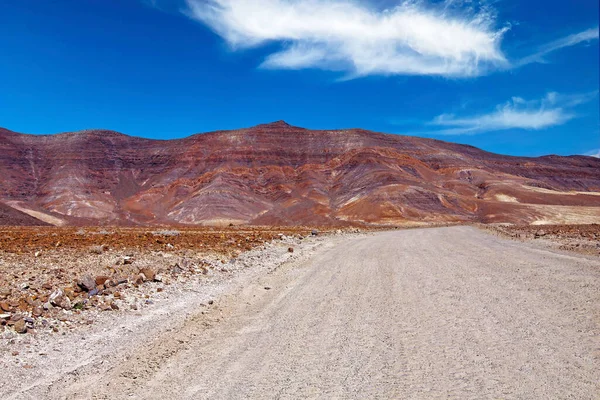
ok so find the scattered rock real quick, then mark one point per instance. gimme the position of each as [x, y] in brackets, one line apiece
[101, 280]
[148, 273]
[58, 299]
[4, 306]
[20, 326]
[87, 283]
[139, 279]
[290, 249]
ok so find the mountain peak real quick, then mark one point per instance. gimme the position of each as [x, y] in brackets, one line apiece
[281, 124]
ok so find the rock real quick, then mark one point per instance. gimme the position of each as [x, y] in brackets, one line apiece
[290, 249]
[158, 278]
[211, 302]
[20, 326]
[38, 253]
[128, 260]
[149, 273]
[139, 279]
[47, 286]
[267, 288]
[58, 299]
[37, 311]
[176, 269]
[4, 306]
[101, 280]
[24, 286]
[4, 316]
[87, 283]
[314, 232]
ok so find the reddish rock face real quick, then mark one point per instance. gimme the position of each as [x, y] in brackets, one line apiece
[280, 174]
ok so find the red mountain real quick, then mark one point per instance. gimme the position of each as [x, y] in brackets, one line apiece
[281, 174]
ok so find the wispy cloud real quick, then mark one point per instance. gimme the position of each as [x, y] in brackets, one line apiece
[593, 153]
[412, 38]
[552, 110]
[568, 41]
[453, 38]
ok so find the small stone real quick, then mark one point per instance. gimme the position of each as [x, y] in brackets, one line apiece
[58, 299]
[20, 326]
[101, 280]
[4, 306]
[47, 286]
[267, 288]
[314, 232]
[290, 249]
[176, 269]
[87, 283]
[128, 260]
[38, 253]
[4, 316]
[24, 286]
[15, 353]
[139, 279]
[149, 273]
[211, 302]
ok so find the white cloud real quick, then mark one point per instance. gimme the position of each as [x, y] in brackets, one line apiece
[593, 153]
[552, 110]
[568, 41]
[412, 38]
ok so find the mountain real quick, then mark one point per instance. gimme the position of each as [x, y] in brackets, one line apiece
[280, 174]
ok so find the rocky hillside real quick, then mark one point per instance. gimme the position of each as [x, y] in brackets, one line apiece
[280, 174]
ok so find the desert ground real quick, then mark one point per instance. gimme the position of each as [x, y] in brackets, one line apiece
[446, 312]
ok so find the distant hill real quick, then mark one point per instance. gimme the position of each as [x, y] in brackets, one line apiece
[280, 174]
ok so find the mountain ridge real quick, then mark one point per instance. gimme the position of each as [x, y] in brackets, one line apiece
[276, 173]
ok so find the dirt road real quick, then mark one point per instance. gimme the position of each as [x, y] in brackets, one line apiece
[415, 314]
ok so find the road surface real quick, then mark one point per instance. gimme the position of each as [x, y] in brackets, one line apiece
[412, 314]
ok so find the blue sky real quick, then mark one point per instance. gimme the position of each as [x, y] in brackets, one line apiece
[509, 76]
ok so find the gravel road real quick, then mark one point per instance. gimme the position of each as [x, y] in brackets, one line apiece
[414, 314]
